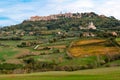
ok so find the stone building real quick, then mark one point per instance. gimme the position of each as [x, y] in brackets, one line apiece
[91, 26]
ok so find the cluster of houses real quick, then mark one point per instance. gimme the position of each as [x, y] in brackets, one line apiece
[90, 26]
[53, 17]
[65, 15]
[9, 33]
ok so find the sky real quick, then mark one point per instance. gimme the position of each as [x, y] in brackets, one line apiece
[15, 11]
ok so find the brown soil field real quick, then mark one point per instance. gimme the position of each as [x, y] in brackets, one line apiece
[92, 47]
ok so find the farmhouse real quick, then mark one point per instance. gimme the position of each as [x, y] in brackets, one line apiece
[114, 34]
[90, 26]
[87, 34]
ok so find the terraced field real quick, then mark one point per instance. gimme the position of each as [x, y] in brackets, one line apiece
[92, 47]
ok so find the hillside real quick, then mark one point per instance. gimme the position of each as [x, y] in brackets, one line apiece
[65, 22]
[47, 43]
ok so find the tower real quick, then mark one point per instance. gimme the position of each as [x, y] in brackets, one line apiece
[91, 26]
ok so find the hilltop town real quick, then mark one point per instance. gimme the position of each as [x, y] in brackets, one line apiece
[63, 15]
[54, 17]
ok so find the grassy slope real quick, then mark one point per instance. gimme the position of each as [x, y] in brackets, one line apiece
[117, 39]
[12, 51]
[7, 52]
[112, 73]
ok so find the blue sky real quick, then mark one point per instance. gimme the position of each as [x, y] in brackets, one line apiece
[15, 11]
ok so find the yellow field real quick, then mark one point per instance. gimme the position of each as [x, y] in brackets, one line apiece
[91, 47]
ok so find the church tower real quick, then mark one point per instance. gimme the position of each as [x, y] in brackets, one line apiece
[91, 26]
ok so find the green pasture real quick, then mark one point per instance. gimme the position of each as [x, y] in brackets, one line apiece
[112, 73]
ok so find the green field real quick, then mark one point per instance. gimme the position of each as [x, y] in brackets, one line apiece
[7, 52]
[112, 73]
[56, 58]
[117, 39]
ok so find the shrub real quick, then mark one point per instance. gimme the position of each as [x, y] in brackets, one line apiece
[7, 66]
[55, 50]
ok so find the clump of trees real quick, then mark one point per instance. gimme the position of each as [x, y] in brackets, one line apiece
[9, 68]
[10, 38]
[111, 57]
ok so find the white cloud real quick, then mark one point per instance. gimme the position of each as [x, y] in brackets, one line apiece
[69, 6]
[106, 7]
[110, 8]
[80, 5]
[1, 10]
[58, 1]
[21, 11]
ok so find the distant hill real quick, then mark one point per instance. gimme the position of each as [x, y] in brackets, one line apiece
[66, 21]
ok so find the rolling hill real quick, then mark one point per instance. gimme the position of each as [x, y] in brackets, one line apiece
[60, 42]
